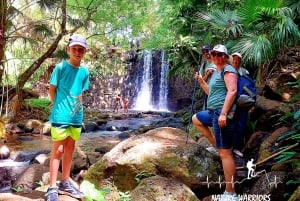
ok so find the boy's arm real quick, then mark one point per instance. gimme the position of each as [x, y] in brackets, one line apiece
[52, 92]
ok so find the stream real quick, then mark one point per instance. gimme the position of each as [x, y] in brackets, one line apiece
[25, 146]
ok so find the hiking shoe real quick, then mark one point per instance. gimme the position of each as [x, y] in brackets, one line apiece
[229, 197]
[212, 150]
[65, 188]
[238, 153]
[52, 194]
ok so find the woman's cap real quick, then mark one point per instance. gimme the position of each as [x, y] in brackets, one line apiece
[220, 48]
[77, 40]
[237, 54]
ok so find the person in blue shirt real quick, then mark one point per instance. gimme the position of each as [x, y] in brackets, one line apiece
[67, 83]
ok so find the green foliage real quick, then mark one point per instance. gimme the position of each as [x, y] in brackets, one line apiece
[40, 183]
[43, 29]
[255, 48]
[17, 189]
[125, 196]
[258, 29]
[142, 175]
[291, 137]
[41, 103]
[91, 192]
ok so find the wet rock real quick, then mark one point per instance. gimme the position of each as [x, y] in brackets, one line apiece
[30, 177]
[268, 146]
[89, 126]
[123, 135]
[31, 124]
[271, 183]
[102, 150]
[162, 151]
[11, 197]
[159, 188]
[80, 160]
[45, 129]
[4, 152]
[112, 128]
[29, 156]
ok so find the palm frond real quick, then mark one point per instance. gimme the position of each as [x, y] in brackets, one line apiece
[256, 11]
[42, 29]
[48, 4]
[255, 48]
[286, 32]
[294, 5]
[221, 22]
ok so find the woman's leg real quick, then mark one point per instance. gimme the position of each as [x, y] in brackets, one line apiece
[202, 128]
[228, 168]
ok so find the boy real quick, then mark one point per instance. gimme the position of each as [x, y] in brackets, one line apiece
[67, 83]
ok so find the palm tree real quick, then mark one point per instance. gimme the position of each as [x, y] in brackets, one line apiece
[258, 30]
[269, 28]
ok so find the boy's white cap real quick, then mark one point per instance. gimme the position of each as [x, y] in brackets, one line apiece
[220, 48]
[237, 54]
[77, 40]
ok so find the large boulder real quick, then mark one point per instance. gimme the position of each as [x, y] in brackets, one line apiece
[162, 151]
[159, 188]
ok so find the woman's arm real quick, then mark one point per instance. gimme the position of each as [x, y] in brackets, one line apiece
[202, 82]
[231, 85]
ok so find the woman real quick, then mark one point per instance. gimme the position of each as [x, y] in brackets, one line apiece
[221, 90]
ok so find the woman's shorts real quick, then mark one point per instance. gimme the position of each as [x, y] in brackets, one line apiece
[62, 131]
[224, 135]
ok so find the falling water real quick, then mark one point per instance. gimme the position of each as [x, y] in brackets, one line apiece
[143, 101]
[163, 87]
[145, 97]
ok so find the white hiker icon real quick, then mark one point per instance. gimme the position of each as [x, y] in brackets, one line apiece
[250, 167]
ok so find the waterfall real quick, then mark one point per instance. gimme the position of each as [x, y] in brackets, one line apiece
[143, 100]
[152, 85]
[163, 87]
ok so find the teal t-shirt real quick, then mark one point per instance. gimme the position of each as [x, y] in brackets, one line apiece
[217, 88]
[70, 83]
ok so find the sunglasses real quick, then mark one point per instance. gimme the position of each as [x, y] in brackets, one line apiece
[205, 51]
[217, 54]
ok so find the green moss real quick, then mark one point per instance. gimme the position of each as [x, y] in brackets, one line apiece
[40, 103]
[95, 173]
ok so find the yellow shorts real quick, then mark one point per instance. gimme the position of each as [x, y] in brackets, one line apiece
[61, 133]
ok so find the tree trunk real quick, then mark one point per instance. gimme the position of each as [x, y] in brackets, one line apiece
[23, 78]
[3, 11]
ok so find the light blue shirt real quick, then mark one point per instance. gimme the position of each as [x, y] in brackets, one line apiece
[217, 88]
[70, 83]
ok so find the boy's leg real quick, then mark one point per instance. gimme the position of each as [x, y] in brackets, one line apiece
[57, 151]
[69, 145]
[65, 187]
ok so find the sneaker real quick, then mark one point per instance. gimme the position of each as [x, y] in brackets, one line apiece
[229, 197]
[238, 153]
[212, 150]
[65, 188]
[52, 194]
